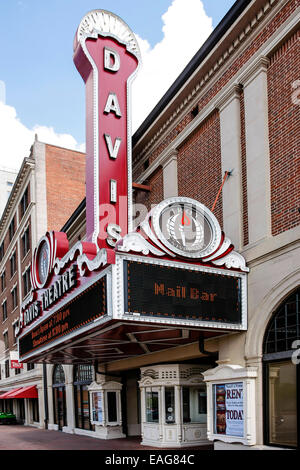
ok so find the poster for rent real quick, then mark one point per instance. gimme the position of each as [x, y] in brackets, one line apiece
[229, 406]
[234, 404]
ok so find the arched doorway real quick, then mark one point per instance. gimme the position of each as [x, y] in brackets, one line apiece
[59, 396]
[282, 375]
[83, 377]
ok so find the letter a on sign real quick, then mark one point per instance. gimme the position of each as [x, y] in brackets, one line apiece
[107, 56]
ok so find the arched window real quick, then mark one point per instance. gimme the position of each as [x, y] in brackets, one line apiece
[83, 377]
[59, 397]
[281, 374]
[284, 327]
[58, 375]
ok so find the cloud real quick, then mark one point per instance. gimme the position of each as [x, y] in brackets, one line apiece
[16, 139]
[185, 28]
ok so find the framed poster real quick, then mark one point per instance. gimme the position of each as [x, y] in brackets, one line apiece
[97, 407]
[229, 409]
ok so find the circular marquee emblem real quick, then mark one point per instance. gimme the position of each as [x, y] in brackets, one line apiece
[186, 227]
[43, 262]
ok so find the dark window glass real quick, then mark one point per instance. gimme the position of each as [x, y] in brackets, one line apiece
[1, 251]
[14, 294]
[112, 407]
[58, 375]
[24, 202]
[3, 281]
[30, 366]
[11, 229]
[25, 243]
[4, 310]
[26, 282]
[284, 327]
[170, 405]
[13, 264]
[6, 370]
[83, 376]
[186, 404]
[152, 414]
[5, 337]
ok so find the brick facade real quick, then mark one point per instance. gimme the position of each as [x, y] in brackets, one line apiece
[65, 170]
[284, 131]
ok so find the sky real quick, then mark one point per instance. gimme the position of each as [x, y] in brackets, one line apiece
[41, 91]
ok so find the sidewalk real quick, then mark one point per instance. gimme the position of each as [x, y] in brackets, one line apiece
[28, 438]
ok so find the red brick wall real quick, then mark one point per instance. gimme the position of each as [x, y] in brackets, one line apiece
[65, 181]
[155, 196]
[284, 134]
[199, 166]
[229, 72]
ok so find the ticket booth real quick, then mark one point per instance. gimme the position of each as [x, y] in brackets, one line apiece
[106, 412]
[173, 405]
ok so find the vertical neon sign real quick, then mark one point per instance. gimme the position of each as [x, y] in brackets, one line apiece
[107, 56]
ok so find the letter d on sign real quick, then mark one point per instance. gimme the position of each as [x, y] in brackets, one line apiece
[111, 60]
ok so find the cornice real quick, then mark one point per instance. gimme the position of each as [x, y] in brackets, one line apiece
[27, 165]
[200, 88]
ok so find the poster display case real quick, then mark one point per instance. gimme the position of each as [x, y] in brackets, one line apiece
[230, 404]
[106, 412]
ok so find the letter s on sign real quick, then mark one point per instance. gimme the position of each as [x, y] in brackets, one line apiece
[114, 234]
[296, 354]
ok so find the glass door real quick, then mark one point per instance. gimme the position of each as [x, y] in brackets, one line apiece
[282, 403]
[60, 407]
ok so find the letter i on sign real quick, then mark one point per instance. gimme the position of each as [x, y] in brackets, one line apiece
[107, 56]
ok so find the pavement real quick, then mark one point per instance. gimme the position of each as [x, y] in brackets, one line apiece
[18, 437]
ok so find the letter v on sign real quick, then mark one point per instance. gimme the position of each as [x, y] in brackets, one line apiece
[107, 57]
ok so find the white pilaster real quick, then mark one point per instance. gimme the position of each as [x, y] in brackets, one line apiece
[257, 150]
[170, 176]
[230, 124]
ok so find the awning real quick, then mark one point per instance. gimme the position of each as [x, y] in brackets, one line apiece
[9, 392]
[25, 392]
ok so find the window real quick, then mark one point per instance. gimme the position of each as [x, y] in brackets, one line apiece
[11, 229]
[5, 337]
[24, 202]
[26, 281]
[83, 376]
[1, 251]
[170, 405]
[281, 375]
[4, 310]
[152, 407]
[6, 369]
[3, 281]
[15, 325]
[112, 407]
[14, 294]
[13, 264]
[30, 366]
[17, 371]
[25, 242]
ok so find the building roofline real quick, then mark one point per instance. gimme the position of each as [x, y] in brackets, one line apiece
[221, 29]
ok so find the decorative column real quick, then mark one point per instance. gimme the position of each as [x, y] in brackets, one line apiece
[230, 124]
[70, 402]
[178, 413]
[257, 150]
[170, 176]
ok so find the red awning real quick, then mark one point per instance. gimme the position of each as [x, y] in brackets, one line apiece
[25, 392]
[8, 393]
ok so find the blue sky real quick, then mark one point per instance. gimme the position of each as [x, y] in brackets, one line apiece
[43, 87]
